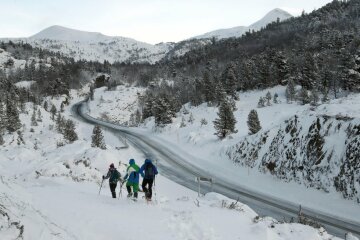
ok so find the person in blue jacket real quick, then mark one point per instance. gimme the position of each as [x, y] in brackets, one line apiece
[148, 171]
[132, 177]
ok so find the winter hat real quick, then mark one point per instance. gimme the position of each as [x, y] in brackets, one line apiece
[112, 165]
[131, 161]
[147, 160]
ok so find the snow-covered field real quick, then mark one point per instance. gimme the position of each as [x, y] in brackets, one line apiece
[207, 151]
[52, 193]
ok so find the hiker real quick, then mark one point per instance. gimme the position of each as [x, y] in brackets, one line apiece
[148, 172]
[132, 177]
[114, 177]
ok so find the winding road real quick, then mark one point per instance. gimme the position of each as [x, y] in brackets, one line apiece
[175, 166]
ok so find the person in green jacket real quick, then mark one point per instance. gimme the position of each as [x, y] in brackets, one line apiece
[132, 177]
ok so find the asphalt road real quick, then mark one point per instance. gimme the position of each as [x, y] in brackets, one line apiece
[174, 166]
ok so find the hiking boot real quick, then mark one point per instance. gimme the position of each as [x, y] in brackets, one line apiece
[129, 195]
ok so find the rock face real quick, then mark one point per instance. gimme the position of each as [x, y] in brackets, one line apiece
[322, 152]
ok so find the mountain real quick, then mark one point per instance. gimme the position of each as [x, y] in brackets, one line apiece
[67, 34]
[93, 46]
[240, 30]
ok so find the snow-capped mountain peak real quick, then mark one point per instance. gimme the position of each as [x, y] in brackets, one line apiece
[271, 16]
[67, 34]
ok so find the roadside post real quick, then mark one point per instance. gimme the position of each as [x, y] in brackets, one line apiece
[203, 179]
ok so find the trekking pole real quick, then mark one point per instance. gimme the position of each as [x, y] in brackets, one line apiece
[101, 186]
[120, 191]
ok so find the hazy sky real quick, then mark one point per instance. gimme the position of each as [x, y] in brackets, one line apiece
[150, 21]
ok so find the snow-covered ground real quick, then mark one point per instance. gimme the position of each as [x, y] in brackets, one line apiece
[207, 151]
[49, 192]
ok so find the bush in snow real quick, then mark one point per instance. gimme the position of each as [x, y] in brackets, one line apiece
[97, 138]
[261, 102]
[69, 131]
[203, 122]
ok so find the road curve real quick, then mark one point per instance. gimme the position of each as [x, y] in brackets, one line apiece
[174, 166]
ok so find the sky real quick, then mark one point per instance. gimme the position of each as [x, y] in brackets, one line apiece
[151, 21]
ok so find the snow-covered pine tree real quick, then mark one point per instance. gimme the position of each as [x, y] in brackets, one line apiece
[53, 111]
[253, 122]
[275, 100]
[268, 98]
[60, 123]
[182, 123]
[3, 121]
[225, 123]
[39, 117]
[97, 138]
[314, 97]
[69, 131]
[290, 91]
[220, 93]
[12, 116]
[304, 96]
[20, 138]
[191, 118]
[46, 105]
[261, 102]
[62, 107]
[229, 81]
[33, 118]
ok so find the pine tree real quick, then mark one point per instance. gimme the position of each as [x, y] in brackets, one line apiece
[69, 131]
[39, 117]
[268, 98]
[182, 124]
[253, 122]
[191, 118]
[261, 102]
[225, 123]
[20, 138]
[33, 118]
[220, 94]
[275, 100]
[60, 123]
[12, 116]
[46, 105]
[3, 120]
[97, 138]
[1, 139]
[53, 111]
[290, 91]
[62, 107]
[304, 96]
[314, 97]
[229, 81]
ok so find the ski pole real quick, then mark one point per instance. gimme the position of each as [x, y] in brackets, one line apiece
[101, 186]
[120, 191]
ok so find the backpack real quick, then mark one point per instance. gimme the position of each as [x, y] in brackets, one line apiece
[149, 171]
[114, 176]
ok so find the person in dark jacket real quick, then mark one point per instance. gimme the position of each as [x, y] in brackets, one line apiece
[148, 172]
[114, 177]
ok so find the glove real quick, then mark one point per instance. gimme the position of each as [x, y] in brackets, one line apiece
[103, 177]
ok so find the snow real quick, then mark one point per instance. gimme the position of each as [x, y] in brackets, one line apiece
[93, 46]
[204, 149]
[52, 193]
[24, 84]
[240, 30]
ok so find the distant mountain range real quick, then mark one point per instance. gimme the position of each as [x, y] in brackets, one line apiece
[94, 46]
[240, 30]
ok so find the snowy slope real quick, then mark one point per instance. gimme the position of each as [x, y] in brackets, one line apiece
[54, 195]
[240, 30]
[93, 46]
[219, 156]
